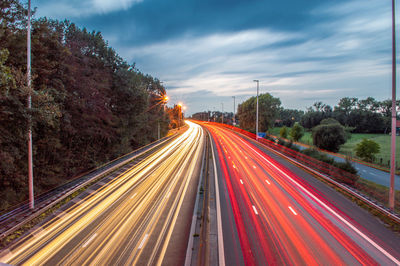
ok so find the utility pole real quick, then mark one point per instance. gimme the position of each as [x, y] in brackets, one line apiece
[234, 120]
[393, 146]
[28, 75]
[222, 104]
[256, 80]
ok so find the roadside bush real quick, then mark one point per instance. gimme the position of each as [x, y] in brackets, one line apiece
[283, 132]
[297, 132]
[346, 166]
[367, 149]
[329, 135]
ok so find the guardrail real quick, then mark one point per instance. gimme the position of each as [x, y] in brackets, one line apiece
[23, 214]
[330, 173]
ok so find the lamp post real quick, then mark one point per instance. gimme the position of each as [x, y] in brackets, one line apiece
[234, 119]
[179, 115]
[28, 75]
[256, 80]
[393, 146]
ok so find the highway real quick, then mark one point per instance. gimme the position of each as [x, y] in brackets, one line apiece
[141, 217]
[276, 214]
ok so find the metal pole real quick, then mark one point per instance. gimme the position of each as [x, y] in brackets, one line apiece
[28, 74]
[234, 120]
[393, 146]
[257, 109]
[30, 153]
[222, 112]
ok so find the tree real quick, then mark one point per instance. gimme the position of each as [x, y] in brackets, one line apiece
[367, 149]
[296, 132]
[283, 132]
[268, 111]
[329, 135]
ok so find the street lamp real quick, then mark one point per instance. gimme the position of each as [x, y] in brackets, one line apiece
[179, 115]
[393, 148]
[256, 80]
[234, 120]
[28, 75]
[164, 102]
[222, 104]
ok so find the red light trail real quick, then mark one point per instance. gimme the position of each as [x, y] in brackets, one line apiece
[279, 218]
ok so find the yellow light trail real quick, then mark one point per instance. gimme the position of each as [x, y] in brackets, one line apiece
[128, 221]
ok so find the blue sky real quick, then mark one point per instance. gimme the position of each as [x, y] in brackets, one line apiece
[206, 51]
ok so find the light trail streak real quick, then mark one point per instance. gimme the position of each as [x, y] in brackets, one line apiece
[268, 223]
[128, 221]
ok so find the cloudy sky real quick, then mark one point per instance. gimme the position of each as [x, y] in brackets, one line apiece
[206, 51]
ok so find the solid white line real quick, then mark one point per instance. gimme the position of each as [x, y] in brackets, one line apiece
[292, 210]
[143, 240]
[267, 182]
[89, 240]
[255, 210]
[133, 195]
[221, 253]
[241, 181]
[387, 254]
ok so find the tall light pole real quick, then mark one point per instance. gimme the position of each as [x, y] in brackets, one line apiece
[222, 104]
[256, 80]
[393, 153]
[179, 115]
[28, 75]
[234, 120]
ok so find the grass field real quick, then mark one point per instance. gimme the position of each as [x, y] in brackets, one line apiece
[348, 148]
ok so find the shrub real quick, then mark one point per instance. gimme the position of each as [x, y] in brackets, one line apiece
[367, 149]
[283, 132]
[329, 135]
[297, 132]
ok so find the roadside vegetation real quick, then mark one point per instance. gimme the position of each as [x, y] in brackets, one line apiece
[89, 105]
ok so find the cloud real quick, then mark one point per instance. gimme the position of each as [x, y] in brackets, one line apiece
[78, 8]
[310, 52]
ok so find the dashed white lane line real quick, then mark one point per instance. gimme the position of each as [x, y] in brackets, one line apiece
[267, 182]
[89, 240]
[133, 195]
[255, 210]
[144, 240]
[241, 181]
[295, 213]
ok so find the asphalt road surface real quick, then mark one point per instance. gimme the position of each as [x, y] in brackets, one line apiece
[275, 213]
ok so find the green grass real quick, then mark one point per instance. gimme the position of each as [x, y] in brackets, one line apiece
[348, 148]
[383, 141]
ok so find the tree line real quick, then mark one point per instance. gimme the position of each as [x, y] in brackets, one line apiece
[89, 105]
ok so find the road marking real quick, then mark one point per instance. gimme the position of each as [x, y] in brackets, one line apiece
[254, 166]
[245, 157]
[267, 182]
[144, 240]
[373, 174]
[241, 181]
[255, 210]
[221, 252]
[133, 195]
[169, 194]
[373, 243]
[89, 240]
[292, 210]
